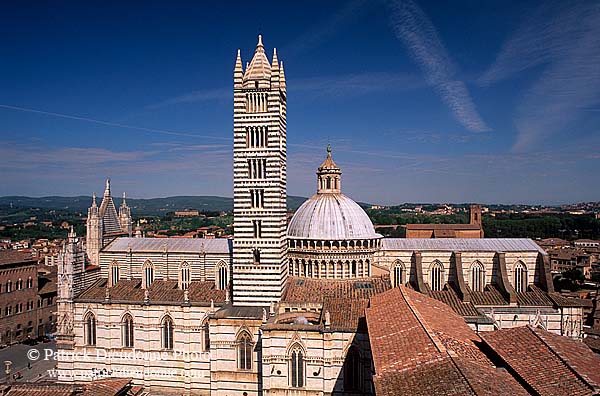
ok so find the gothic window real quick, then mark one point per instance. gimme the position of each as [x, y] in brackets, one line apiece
[296, 367]
[127, 331]
[148, 274]
[167, 333]
[256, 228]
[256, 255]
[398, 274]
[206, 336]
[520, 277]
[184, 276]
[222, 276]
[353, 371]
[435, 275]
[114, 273]
[90, 329]
[244, 351]
[257, 198]
[477, 276]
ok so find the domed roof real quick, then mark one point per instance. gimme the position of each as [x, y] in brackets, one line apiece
[331, 217]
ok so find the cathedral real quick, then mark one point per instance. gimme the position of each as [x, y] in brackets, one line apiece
[279, 309]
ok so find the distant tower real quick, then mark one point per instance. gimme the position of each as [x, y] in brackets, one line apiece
[93, 237]
[475, 211]
[125, 217]
[259, 187]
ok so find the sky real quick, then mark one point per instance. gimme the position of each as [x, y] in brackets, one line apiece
[462, 101]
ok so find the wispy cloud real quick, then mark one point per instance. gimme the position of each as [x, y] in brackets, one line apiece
[193, 97]
[357, 84]
[420, 37]
[563, 36]
[324, 29]
[110, 124]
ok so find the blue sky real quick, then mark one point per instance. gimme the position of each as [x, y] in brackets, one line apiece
[463, 101]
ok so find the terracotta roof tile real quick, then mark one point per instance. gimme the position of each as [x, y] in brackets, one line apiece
[160, 291]
[550, 364]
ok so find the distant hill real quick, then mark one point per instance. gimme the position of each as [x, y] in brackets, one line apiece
[139, 207]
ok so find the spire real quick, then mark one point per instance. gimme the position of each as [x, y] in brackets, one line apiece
[275, 70]
[329, 176]
[124, 203]
[259, 68]
[107, 189]
[238, 72]
[94, 205]
[281, 76]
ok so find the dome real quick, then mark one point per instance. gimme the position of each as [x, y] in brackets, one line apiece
[331, 217]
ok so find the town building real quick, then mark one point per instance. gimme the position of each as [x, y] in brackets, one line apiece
[472, 230]
[27, 298]
[277, 309]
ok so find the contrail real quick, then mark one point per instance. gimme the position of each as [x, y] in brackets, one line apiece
[111, 124]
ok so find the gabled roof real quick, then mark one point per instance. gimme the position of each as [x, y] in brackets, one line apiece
[108, 213]
[171, 245]
[421, 347]
[462, 244]
[550, 364]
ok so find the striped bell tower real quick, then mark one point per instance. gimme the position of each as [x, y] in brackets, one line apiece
[259, 180]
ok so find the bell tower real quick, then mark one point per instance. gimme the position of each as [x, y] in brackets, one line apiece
[259, 180]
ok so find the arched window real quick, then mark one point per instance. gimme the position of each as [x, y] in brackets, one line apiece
[167, 333]
[296, 367]
[19, 284]
[114, 273]
[184, 276]
[127, 331]
[206, 336]
[520, 277]
[221, 276]
[29, 282]
[148, 271]
[353, 372]
[90, 329]
[8, 286]
[435, 275]
[398, 273]
[477, 276]
[244, 351]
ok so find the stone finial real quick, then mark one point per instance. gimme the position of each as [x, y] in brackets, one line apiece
[260, 43]
[327, 319]
[227, 294]
[264, 315]
[107, 294]
[146, 296]
[107, 189]
[212, 305]
[124, 203]
[186, 296]
[94, 200]
[272, 309]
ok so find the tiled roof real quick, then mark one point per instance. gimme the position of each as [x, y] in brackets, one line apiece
[99, 387]
[449, 297]
[160, 292]
[345, 300]
[10, 256]
[172, 245]
[420, 346]
[302, 290]
[550, 364]
[462, 244]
